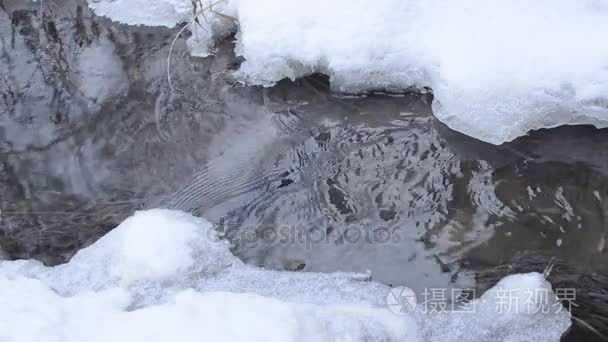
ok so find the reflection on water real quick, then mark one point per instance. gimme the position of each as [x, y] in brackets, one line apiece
[297, 178]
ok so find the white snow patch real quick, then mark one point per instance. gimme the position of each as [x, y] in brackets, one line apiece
[164, 275]
[144, 12]
[150, 251]
[498, 68]
[521, 307]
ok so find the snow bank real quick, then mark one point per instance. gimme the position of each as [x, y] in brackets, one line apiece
[498, 68]
[164, 275]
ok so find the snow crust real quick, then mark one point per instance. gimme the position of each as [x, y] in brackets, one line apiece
[164, 275]
[498, 68]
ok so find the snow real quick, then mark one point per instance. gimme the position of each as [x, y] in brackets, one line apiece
[519, 308]
[144, 12]
[150, 251]
[498, 68]
[165, 275]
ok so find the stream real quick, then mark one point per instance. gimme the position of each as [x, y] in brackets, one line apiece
[294, 176]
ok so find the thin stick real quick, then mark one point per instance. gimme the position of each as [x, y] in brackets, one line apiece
[588, 326]
[195, 15]
[169, 58]
[549, 268]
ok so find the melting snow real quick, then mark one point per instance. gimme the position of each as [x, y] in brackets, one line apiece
[164, 275]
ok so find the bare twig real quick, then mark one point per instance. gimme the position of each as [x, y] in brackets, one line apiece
[588, 326]
[549, 268]
[194, 19]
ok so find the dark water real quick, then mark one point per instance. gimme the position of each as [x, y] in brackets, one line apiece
[297, 178]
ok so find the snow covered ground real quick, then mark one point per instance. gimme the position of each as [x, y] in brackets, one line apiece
[498, 68]
[164, 275]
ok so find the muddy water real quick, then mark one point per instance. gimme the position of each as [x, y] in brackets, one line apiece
[296, 177]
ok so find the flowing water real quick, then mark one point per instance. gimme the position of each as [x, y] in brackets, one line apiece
[295, 177]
